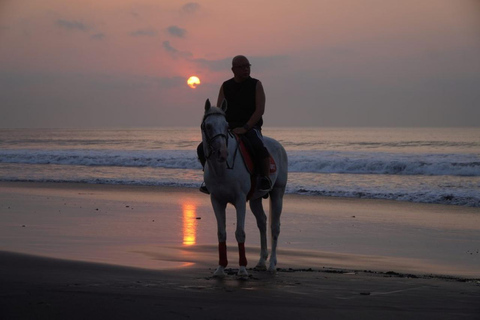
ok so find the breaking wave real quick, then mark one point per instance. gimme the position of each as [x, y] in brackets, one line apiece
[340, 162]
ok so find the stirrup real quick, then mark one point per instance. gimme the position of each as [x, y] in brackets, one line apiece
[203, 188]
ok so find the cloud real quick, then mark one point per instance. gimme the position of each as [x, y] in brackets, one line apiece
[135, 14]
[190, 7]
[98, 36]
[147, 32]
[263, 63]
[214, 65]
[46, 99]
[71, 25]
[176, 31]
[174, 52]
[260, 63]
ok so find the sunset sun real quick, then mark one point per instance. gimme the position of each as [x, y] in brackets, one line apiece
[193, 82]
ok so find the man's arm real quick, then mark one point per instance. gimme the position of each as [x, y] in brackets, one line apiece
[259, 109]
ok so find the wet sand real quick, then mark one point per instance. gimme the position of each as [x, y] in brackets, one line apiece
[146, 252]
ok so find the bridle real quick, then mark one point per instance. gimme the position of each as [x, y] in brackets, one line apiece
[209, 140]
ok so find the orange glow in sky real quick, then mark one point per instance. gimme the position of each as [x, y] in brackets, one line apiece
[340, 63]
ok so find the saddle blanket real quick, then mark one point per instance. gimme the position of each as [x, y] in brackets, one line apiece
[250, 164]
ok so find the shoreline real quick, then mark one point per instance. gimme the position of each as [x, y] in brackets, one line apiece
[156, 188]
[447, 200]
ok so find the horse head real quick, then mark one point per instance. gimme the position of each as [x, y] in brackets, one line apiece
[215, 132]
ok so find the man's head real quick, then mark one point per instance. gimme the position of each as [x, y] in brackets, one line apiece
[241, 68]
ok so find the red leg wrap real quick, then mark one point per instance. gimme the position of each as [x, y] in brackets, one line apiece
[241, 252]
[222, 253]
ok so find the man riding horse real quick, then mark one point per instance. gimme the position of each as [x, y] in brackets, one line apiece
[246, 104]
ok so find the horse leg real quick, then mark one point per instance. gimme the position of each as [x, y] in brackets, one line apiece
[276, 205]
[220, 215]
[257, 209]
[241, 207]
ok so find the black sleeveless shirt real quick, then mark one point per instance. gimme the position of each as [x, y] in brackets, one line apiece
[240, 98]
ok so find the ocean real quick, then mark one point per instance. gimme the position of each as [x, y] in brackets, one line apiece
[424, 165]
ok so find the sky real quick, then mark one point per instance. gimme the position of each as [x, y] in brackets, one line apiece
[327, 63]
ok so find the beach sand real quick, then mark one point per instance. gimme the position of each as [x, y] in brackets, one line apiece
[75, 251]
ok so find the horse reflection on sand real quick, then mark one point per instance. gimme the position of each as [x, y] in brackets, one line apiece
[228, 181]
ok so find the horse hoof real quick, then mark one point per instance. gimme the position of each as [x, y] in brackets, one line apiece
[260, 267]
[242, 273]
[272, 269]
[219, 273]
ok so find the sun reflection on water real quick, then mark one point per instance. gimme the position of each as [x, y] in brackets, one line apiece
[189, 223]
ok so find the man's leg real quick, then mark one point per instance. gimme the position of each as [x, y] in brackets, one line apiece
[201, 154]
[256, 139]
[265, 182]
[203, 160]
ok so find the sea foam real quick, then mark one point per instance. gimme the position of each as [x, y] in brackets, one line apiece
[341, 162]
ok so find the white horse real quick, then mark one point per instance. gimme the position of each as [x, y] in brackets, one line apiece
[228, 181]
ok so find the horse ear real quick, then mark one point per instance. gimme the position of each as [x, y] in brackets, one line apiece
[224, 105]
[207, 105]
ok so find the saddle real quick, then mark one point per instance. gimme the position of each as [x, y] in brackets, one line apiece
[246, 151]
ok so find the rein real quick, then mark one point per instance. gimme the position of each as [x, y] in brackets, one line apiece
[209, 141]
